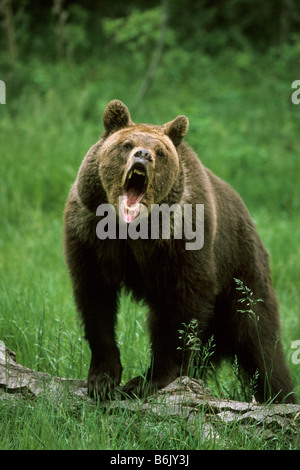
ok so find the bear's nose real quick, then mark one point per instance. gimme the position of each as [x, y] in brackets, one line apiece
[142, 155]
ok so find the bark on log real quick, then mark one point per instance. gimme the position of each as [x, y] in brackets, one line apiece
[22, 382]
[185, 397]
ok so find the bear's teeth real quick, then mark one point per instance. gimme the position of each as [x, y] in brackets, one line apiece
[138, 172]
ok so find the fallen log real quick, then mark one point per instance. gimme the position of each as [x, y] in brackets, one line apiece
[19, 381]
[185, 397]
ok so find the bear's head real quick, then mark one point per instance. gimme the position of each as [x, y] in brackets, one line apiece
[138, 162]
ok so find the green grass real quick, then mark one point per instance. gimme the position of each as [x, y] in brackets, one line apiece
[243, 126]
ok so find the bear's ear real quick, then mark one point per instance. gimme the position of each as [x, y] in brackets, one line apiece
[115, 117]
[176, 129]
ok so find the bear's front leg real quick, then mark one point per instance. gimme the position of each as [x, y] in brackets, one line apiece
[104, 373]
[96, 297]
[170, 358]
[157, 376]
[98, 307]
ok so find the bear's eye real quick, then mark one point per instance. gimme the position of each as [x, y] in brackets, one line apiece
[161, 153]
[128, 145]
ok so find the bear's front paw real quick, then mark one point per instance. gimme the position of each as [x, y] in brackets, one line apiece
[102, 384]
[140, 386]
[136, 386]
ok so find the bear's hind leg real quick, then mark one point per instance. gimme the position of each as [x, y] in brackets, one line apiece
[259, 349]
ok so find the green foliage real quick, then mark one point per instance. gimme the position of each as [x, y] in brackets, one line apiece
[139, 31]
[247, 298]
[74, 35]
[235, 23]
[198, 354]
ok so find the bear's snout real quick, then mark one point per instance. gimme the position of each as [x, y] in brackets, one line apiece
[142, 156]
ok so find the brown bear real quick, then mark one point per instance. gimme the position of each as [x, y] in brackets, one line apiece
[139, 166]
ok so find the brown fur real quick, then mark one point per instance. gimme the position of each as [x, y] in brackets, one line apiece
[177, 284]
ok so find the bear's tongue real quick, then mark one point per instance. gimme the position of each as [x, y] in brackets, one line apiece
[132, 197]
[130, 205]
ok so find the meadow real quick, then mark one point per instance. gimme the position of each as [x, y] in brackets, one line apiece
[244, 127]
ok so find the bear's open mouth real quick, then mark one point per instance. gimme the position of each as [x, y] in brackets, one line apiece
[134, 191]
